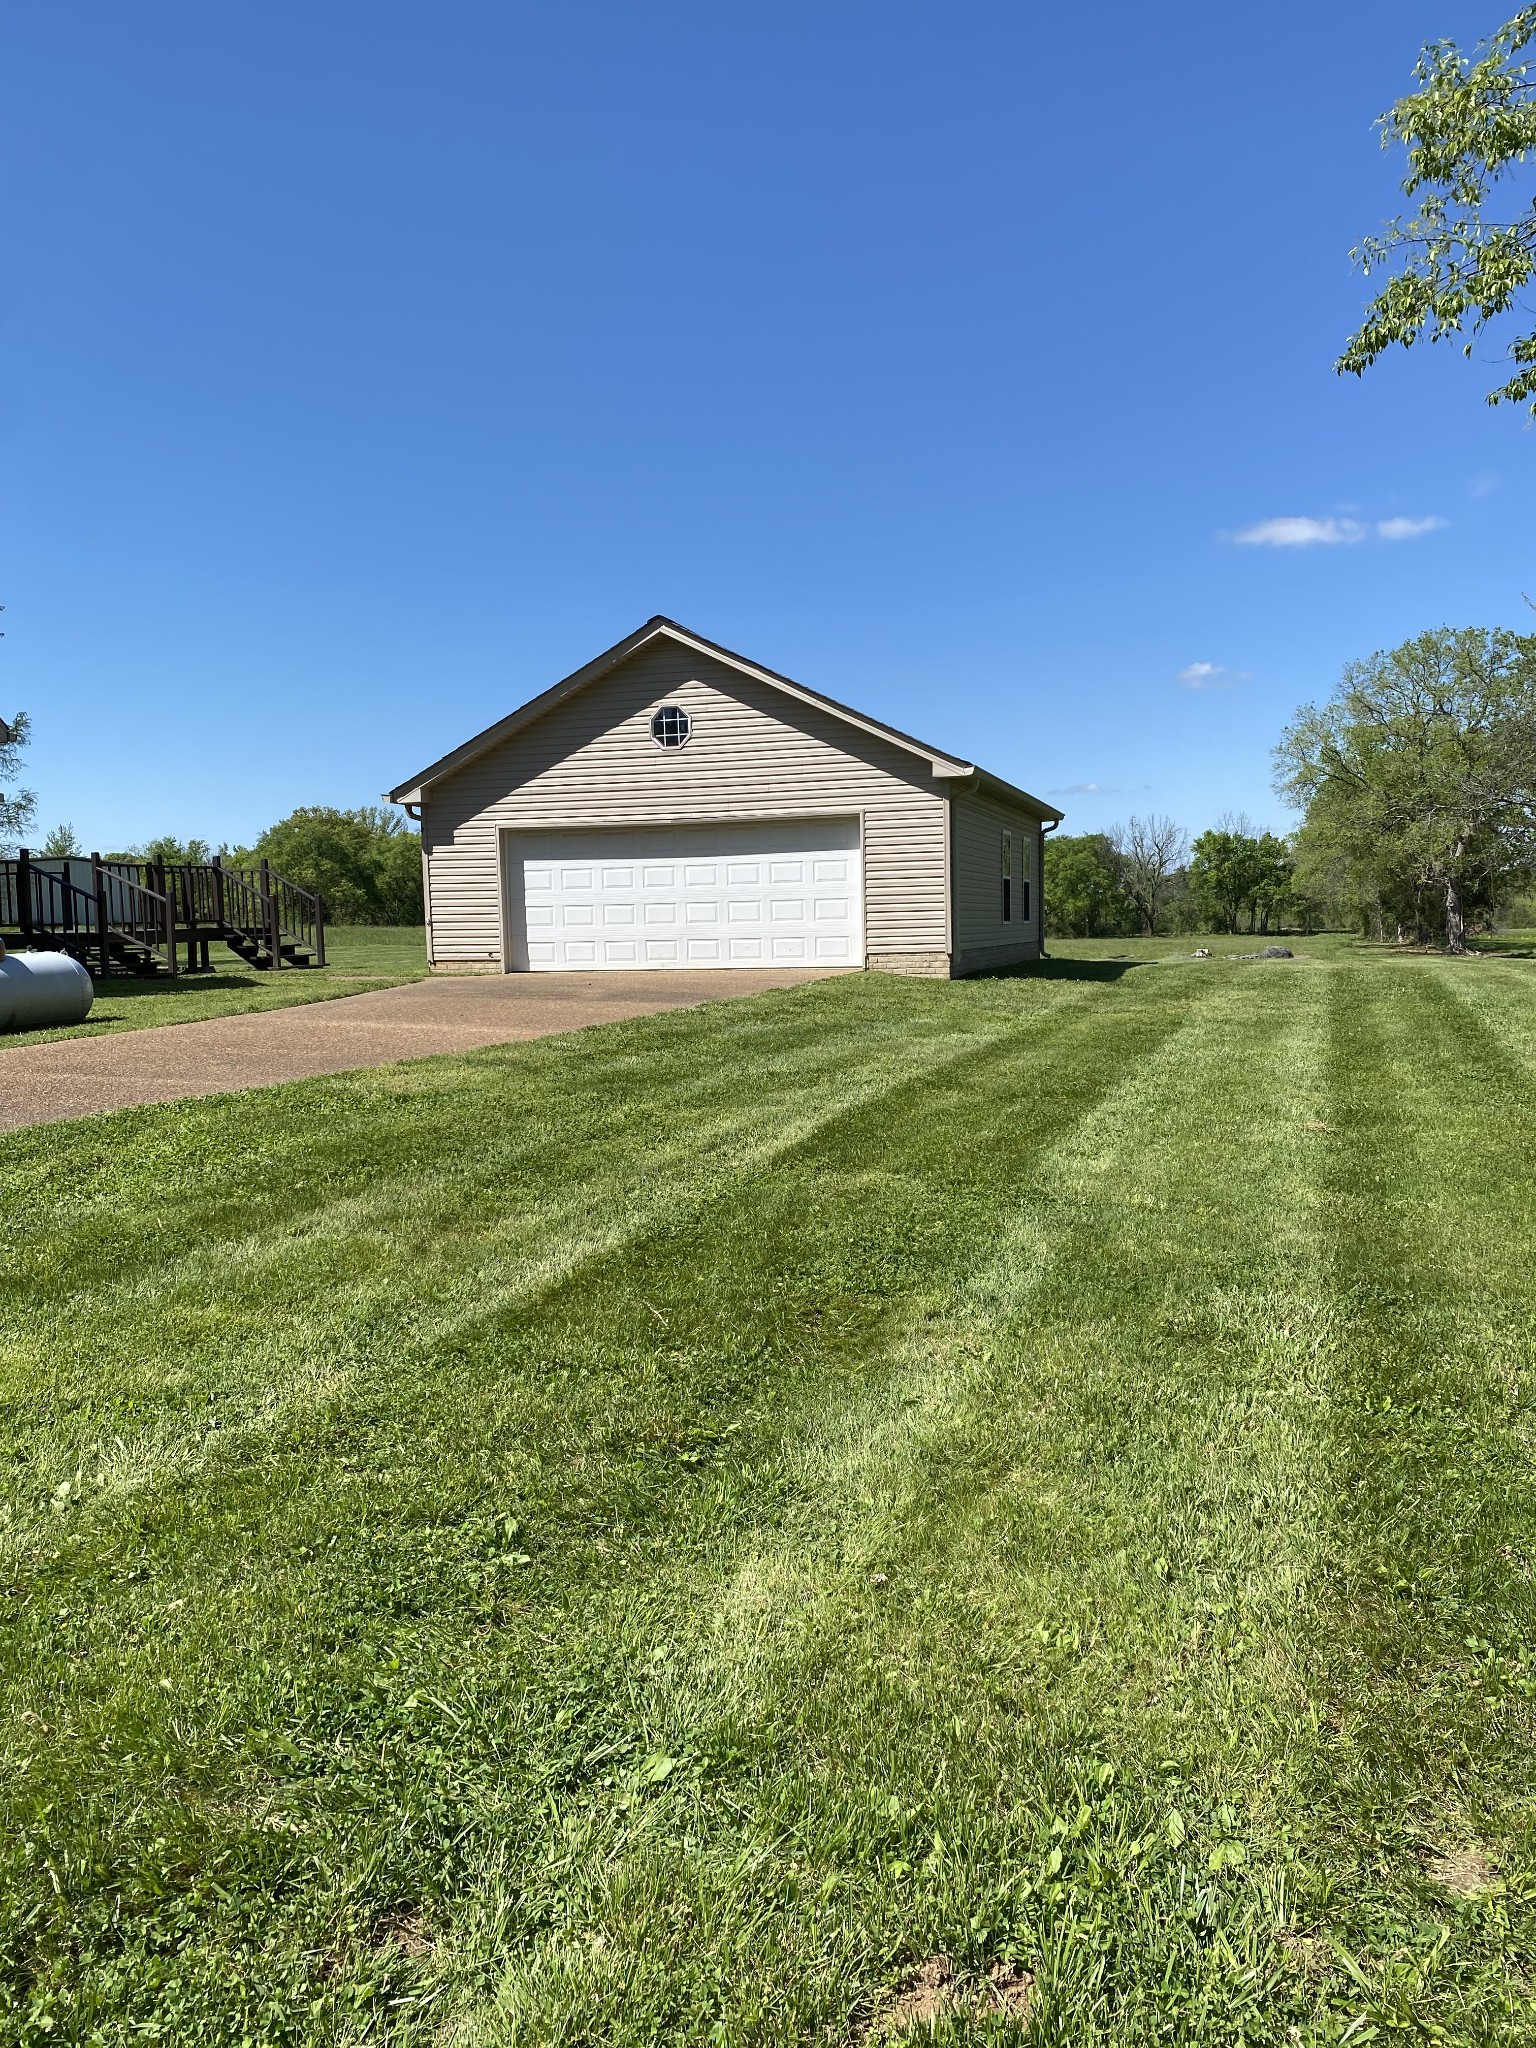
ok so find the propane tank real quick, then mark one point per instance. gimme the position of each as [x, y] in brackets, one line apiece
[38, 989]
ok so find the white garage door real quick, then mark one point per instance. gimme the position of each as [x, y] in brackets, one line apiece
[766, 895]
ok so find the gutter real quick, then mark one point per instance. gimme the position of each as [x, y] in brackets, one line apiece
[1044, 831]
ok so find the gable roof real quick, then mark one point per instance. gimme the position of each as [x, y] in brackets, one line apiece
[946, 766]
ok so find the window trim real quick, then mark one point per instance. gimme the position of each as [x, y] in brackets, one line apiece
[671, 746]
[1007, 877]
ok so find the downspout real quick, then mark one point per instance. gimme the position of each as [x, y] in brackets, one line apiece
[1040, 907]
[413, 812]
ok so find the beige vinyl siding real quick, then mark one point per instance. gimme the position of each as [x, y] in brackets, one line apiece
[976, 858]
[754, 753]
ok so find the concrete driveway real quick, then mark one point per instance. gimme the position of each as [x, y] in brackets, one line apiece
[42, 1084]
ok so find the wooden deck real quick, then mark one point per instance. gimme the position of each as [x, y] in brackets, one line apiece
[154, 918]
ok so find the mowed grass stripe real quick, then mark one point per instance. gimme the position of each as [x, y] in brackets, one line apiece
[308, 1239]
[1420, 1638]
[315, 1591]
[938, 1673]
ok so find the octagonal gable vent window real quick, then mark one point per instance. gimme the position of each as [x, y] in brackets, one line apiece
[670, 726]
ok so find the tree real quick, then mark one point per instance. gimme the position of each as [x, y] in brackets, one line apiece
[365, 863]
[1151, 851]
[1235, 869]
[61, 844]
[1470, 124]
[1084, 898]
[1348, 874]
[1421, 770]
[18, 807]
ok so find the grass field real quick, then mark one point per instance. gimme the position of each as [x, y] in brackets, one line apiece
[1513, 944]
[358, 957]
[657, 1535]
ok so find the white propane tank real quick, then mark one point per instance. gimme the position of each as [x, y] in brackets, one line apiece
[38, 989]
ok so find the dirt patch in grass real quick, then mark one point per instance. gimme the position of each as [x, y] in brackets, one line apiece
[1306, 1949]
[405, 1930]
[935, 1990]
[1463, 1871]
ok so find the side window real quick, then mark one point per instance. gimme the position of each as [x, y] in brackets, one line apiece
[1024, 901]
[1007, 878]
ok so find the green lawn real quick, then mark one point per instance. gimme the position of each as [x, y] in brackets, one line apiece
[651, 1535]
[1514, 944]
[358, 957]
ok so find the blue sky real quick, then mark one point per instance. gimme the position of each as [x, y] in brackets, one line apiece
[366, 368]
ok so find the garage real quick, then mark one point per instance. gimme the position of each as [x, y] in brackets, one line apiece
[784, 893]
[674, 805]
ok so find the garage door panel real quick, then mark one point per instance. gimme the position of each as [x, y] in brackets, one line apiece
[688, 896]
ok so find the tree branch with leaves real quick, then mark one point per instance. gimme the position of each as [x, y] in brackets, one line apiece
[1455, 266]
[18, 807]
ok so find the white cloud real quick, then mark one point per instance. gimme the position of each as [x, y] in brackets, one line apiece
[1301, 533]
[1210, 675]
[1406, 529]
[1336, 530]
[1484, 482]
[1085, 789]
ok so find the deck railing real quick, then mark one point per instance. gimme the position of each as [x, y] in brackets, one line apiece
[47, 903]
[244, 904]
[300, 913]
[132, 910]
[146, 907]
[41, 903]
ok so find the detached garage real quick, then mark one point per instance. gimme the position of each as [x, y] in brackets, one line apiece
[673, 805]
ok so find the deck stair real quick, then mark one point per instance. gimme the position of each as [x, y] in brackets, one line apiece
[154, 918]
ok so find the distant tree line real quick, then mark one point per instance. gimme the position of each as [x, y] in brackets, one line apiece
[365, 864]
[1417, 784]
[1147, 876]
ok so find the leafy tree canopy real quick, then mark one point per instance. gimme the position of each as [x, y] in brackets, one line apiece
[1235, 870]
[1420, 773]
[1084, 897]
[1456, 264]
[168, 848]
[365, 863]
